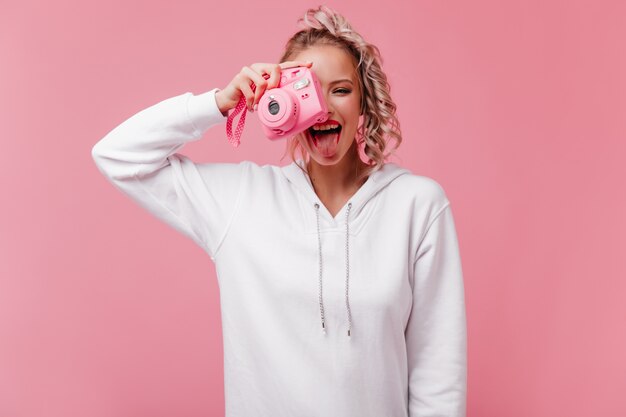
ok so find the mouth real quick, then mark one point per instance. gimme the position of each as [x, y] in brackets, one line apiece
[325, 141]
[317, 135]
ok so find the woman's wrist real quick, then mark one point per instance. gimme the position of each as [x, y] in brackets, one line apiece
[218, 100]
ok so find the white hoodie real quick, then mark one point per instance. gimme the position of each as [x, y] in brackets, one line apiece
[358, 315]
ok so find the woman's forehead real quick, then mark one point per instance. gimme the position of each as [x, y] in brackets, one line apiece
[329, 63]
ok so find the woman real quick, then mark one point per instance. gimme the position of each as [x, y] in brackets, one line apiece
[340, 280]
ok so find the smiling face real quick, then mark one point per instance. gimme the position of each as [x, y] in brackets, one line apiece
[337, 74]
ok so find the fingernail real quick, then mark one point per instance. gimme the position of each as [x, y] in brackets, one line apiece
[255, 106]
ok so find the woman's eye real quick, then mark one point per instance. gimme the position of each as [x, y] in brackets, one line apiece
[342, 90]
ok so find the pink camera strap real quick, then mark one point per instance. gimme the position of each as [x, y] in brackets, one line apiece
[235, 139]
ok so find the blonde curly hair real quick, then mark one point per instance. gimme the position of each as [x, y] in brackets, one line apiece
[324, 26]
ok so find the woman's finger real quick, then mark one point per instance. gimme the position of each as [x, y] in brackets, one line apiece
[244, 86]
[274, 79]
[268, 72]
[291, 64]
[259, 81]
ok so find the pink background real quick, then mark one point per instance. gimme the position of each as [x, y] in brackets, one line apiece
[516, 108]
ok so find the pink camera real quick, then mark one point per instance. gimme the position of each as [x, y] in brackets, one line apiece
[294, 106]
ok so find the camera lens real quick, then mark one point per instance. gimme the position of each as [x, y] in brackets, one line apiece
[273, 107]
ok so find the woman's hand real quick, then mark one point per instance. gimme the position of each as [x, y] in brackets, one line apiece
[263, 76]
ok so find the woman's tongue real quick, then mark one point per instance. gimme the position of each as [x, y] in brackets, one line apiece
[326, 143]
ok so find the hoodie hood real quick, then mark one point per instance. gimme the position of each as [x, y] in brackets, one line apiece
[353, 215]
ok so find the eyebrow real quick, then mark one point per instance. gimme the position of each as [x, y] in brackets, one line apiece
[338, 81]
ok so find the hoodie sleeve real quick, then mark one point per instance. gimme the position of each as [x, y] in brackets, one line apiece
[139, 158]
[436, 329]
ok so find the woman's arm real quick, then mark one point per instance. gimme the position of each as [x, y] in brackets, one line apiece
[139, 158]
[436, 333]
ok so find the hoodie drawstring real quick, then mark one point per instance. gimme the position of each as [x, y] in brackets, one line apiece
[319, 240]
